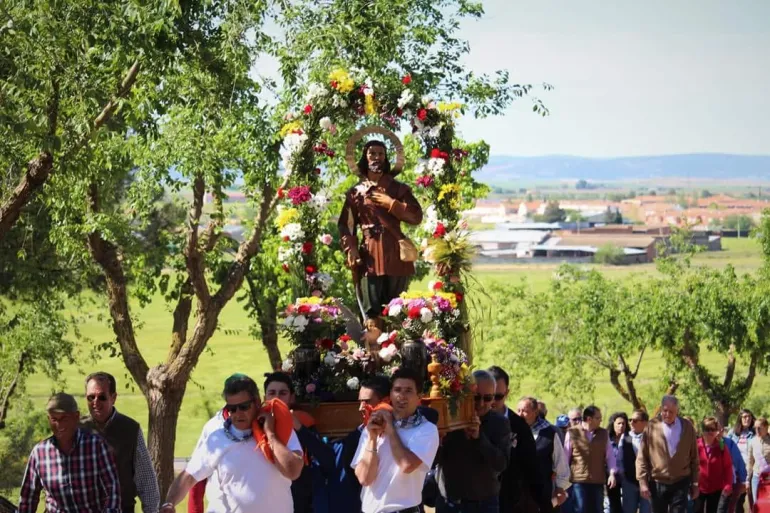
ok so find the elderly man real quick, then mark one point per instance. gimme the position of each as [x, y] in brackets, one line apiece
[521, 481]
[471, 460]
[123, 434]
[396, 450]
[667, 465]
[589, 453]
[246, 479]
[630, 444]
[74, 467]
[550, 453]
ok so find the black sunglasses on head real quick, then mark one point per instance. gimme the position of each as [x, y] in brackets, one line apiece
[486, 397]
[91, 398]
[244, 406]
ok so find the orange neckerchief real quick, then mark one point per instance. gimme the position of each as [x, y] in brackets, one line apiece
[284, 425]
[368, 410]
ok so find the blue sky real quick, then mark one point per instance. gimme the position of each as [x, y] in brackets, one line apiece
[632, 77]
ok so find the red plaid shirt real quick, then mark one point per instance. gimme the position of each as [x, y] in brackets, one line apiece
[84, 481]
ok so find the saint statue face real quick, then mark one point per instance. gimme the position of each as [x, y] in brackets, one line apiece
[376, 157]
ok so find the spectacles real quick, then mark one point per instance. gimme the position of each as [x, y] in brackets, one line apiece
[637, 420]
[244, 406]
[499, 397]
[576, 420]
[487, 398]
[91, 398]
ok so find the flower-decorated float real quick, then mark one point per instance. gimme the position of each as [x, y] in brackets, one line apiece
[335, 349]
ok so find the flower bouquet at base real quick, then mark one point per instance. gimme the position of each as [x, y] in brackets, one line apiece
[454, 376]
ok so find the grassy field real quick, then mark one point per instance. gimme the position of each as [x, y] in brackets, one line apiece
[232, 349]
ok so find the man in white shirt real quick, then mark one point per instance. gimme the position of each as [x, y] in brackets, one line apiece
[396, 451]
[248, 482]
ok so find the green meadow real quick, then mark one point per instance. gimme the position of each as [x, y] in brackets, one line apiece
[233, 349]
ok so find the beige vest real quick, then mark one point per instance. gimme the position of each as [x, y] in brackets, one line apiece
[588, 458]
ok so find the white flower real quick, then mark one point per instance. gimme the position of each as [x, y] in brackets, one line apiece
[456, 312]
[426, 315]
[387, 353]
[326, 123]
[435, 166]
[319, 202]
[329, 359]
[287, 365]
[383, 338]
[324, 280]
[394, 310]
[422, 167]
[314, 91]
[289, 116]
[300, 322]
[426, 100]
[353, 383]
[293, 231]
[368, 89]
[435, 132]
[339, 102]
[286, 254]
[406, 98]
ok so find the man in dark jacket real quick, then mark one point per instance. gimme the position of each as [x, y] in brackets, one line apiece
[629, 449]
[471, 460]
[522, 473]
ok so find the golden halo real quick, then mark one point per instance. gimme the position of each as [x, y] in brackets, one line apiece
[350, 149]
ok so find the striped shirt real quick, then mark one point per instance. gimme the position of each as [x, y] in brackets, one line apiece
[84, 481]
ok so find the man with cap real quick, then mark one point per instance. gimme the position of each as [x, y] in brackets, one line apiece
[74, 467]
[135, 471]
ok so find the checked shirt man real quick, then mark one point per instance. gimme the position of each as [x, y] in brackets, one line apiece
[74, 467]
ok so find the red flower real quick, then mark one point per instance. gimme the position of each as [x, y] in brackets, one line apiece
[385, 311]
[308, 109]
[285, 267]
[456, 385]
[334, 84]
[424, 181]
[438, 285]
[317, 170]
[414, 312]
[310, 269]
[422, 114]
[345, 338]
[303, 309]
[286, 238]
[435, 153]
[406, 80]
[281, 194]
[459, 297]
[300, 194]
[327, 343]
[440, 231]
[307, 247]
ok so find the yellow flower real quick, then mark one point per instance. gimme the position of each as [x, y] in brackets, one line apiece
[286, 216]
[370, 105]
[449, 106]
[290, 127]
[342, 79]
[312, 300]
[447, 189]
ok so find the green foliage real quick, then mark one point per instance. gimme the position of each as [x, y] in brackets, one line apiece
[742, 223]
[609, 255]
[16, 441]
[553, 213]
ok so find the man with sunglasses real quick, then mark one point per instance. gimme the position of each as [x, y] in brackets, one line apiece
[550, 453]
[124, 435]
[248, 482]
[470, 461]
[521, 480]
[627, 454]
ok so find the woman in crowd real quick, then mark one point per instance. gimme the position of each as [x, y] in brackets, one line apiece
[716, 470]
[617, 427]
[741, 434]
[759, 455]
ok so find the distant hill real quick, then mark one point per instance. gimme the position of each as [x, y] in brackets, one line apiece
[502, 169]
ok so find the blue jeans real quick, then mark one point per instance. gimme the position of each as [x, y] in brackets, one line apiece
[589, 498]
[491, 505]
[632, 499]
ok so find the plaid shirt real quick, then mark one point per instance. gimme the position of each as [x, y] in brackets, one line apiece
[84, 481]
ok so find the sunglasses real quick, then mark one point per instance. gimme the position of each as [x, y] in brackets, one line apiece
[576, 420]
[487, 398]
[244, 406]
[91, 398]
[499, 397]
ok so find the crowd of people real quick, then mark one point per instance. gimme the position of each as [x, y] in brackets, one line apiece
[259, 456]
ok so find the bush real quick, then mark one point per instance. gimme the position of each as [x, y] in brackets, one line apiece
[610, 255]
[21, 433]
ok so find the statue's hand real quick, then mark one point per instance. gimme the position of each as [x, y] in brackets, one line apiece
[382, 199]
[353, 258]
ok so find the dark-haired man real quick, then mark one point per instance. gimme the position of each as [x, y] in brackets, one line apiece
[470, 461]
[589, 454]
[247, 480]
[521, 483]
[124, 435]
[340, 489]
[628, 451]
[396, 450]
[74, 467]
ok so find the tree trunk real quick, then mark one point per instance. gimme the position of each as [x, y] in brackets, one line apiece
[5, 404]
[164, 402]
[38, 170]
[268, 325]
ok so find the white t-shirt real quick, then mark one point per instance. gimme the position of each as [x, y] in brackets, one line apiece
[245, 481]
[392, 489]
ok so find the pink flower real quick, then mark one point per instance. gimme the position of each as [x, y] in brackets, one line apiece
[326, 239]
[310, 388]
[300, 194]
[424, 181]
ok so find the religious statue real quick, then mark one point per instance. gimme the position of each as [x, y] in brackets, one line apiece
[382, 258]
